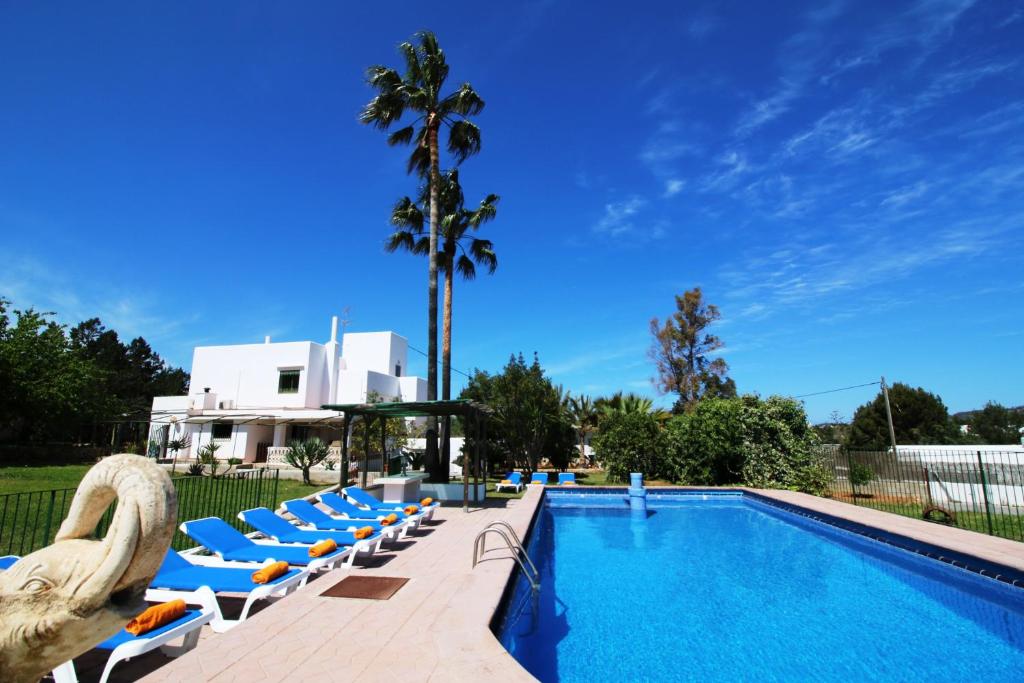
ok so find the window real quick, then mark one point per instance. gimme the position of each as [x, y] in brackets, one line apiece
[300, 433]
[288, 382]
[398, 369]
[222, 430]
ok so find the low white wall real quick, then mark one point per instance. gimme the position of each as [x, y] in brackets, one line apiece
[451, 492]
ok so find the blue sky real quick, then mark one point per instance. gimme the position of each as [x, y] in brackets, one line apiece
[844, 179]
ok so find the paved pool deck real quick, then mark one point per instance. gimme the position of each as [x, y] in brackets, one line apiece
[437, 627]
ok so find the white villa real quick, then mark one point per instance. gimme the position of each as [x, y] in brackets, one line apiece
[252, 399]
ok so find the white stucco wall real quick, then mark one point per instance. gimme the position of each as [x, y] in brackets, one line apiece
[376, 351]
[248, 373]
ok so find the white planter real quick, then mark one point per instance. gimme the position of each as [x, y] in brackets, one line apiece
[451, 492]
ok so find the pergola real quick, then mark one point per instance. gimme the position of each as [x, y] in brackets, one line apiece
[474, 417]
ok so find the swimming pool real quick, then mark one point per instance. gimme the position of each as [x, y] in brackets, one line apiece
[726, 587]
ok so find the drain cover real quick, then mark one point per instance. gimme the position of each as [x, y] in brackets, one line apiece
[365, 587]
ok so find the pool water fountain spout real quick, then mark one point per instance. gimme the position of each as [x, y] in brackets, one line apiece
[637, 494]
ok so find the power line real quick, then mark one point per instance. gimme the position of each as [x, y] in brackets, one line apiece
[832, 391]
[454, 369]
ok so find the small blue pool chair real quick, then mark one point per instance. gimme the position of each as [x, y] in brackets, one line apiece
[314, 517]
[540, 478]
[515, 482]
[566, 479]
[361, 497]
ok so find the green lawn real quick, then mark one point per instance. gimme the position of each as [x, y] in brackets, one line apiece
[1005, 526]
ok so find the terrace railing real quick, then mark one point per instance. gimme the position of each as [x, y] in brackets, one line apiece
[980, 490]
[30, 520]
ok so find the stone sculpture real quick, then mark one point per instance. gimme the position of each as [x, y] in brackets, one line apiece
[66, 598]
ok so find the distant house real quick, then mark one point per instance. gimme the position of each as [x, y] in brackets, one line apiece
[251, 400]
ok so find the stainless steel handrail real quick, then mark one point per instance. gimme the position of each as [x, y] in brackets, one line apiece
[517, 550]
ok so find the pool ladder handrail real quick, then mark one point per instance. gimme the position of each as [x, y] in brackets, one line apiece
[516, 548]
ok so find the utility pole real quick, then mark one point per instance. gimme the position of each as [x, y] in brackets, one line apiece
[888, 414]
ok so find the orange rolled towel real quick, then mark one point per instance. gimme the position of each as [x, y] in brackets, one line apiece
[506, 482]
[270, 572]
[390, 519]
[324, 547]
[155, 617]
[363, 532]
[426, 501]
[411, 509]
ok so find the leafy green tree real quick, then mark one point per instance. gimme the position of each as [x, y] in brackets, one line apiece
[529, 421]
[461, 251]
[419, 91]
[632, 442]
[682, 350]
[996, 424]
[918, 417]
[43, 383]
[306, 455]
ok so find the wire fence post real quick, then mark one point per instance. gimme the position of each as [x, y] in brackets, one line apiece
[849, 478]
[984, 493]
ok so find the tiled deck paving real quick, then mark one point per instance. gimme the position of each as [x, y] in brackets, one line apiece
[437, 626]
[434, 628]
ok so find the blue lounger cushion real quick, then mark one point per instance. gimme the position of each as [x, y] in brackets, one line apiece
[269, 524]
[177, 573]
[311, 514]
[363, 498]
[539, 478]
[566, 478]
[344, 507]
[221, 538]
[123, 636]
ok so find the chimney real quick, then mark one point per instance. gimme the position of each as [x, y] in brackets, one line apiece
[266, 340]
[334, 328]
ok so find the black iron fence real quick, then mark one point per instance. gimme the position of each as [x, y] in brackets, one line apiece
[980, 490]
[30, 520]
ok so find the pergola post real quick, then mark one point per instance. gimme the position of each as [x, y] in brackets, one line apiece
[343, 474]
[384, 468]
[366, 447]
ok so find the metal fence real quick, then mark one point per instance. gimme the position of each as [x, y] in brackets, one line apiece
[30, 520]
[977, 490]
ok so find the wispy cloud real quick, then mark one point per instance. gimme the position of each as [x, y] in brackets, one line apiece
[619, 217]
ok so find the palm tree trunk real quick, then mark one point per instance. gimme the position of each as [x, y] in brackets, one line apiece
[446, 368]
[432, 461]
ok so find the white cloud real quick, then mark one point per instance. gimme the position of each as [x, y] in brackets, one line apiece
[674, 186]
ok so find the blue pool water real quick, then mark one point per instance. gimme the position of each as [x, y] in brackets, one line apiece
[730, 589]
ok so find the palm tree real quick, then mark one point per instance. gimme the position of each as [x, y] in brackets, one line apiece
[584, 419]
[419, 91]
[460, 252]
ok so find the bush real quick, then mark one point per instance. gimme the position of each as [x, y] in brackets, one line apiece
[195, 469]
[706, 444]
[234, 461]
[632, 442]
[860, 474]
